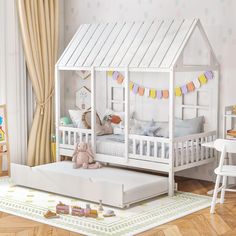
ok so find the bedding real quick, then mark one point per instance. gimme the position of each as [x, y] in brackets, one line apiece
[161, 129]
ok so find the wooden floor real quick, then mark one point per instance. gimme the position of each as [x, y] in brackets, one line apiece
[199, 223]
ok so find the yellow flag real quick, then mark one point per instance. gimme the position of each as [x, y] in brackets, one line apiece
[153, 93]
[202, 78]
[178, 91]
[131, 85]
[109, 73]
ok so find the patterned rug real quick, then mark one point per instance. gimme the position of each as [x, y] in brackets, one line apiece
[31, 204]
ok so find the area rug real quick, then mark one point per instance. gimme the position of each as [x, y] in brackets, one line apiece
[32, 204]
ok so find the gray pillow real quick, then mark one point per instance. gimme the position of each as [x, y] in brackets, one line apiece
[182, 127]
[189, 126]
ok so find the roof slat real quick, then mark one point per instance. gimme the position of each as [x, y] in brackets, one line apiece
[169, 38]
[145, 44]
[82, 44]
[152, 50]
[136, 43]
[142, 46]
[83, 56]
[73, 44]
[175, 46]
[109, 42]
[115, 47]
[126, 44]
[100, 43]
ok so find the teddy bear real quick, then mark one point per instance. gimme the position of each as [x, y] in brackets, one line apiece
[84, 157]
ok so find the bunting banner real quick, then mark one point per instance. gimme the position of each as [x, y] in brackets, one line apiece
[163, 93]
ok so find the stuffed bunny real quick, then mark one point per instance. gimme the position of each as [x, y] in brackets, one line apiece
[83, 157]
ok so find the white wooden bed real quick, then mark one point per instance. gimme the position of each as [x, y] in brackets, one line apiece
[156, 47]
[153, 47]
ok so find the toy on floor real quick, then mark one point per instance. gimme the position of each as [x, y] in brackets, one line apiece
[76, 211]
[84, 157]
[109, 213]
[51, 215]
[62, 208]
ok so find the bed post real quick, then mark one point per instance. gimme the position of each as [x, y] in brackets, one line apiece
[57, 111]
[171, 130]
[127, 113]
[93, 110]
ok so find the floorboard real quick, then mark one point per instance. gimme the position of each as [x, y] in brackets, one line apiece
[200, 223]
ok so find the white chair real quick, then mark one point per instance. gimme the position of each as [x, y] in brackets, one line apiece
[224, 146]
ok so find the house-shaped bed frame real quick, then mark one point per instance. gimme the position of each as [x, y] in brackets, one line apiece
[145, 47]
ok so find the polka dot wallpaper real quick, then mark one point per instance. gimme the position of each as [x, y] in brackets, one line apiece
[217, 16]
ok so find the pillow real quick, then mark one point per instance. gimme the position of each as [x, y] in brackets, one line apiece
[86, 119]
[189, 126]
[76, 118]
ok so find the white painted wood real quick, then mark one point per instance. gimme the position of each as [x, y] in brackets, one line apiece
[100, 43]
[127, 111]
[72, 45]
[91, 44]
[82, 45]
[136, 43]
[153, 49]
[117, 44]
[175, 46]
[126, 44]
[150, 47]
[109, 43]
[223, 170]
[171, 130]
[146, 43]
[93, 108]
[166, 44]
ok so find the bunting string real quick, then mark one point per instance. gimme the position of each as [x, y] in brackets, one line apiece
[163, 93]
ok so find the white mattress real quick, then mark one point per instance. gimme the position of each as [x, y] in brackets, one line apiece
[60, 177]
[110, 145]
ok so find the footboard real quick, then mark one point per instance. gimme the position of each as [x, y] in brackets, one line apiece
[70, 136]
[188, 151]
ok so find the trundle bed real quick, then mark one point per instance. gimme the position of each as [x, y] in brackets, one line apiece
[153, 49]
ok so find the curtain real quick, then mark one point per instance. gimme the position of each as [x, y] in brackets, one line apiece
[39, 30]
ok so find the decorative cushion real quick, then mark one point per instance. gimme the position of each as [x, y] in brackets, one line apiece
[76, 117]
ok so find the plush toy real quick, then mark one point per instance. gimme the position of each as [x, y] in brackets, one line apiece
[83, 157]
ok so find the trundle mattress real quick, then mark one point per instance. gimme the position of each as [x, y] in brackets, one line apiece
[114, 186]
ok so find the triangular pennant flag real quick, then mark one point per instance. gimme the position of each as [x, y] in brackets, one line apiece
[190, 86]
[115, 75]
[135, 89]
[109, 73]
[202, 78]
[141, 91]
[153, 93]
[196, 83]
[178, 91]
[159, 94]
[184, 89]
[120, 79]
[165, 93]
[209, 75]
[147, 92]
[131, 84]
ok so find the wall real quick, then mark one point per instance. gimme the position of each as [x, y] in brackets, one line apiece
[217, 17]
[12, 80]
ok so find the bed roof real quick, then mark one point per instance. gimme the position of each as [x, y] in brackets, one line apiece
[148, 44]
